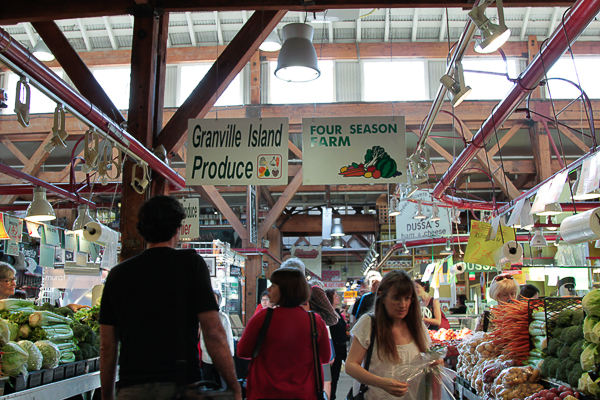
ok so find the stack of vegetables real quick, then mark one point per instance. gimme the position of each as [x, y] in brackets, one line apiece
[511, 330]
[537, 331]
[565, 347]
[50, 336]
[590, 357]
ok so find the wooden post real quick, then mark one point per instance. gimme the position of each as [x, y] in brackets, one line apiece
[252, 271]
[275, 247]
[532, 49]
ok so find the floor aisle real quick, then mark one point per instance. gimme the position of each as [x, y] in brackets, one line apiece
[344, 384]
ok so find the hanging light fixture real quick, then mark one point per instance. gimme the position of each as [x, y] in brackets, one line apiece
[272, 42]
[337, 243]
[492, 36]
[435, 213]
[337, 230]
[557, 240]
[40, 209]
[297, 61]
[83, 218]
[419, 214]
[455, 215]
[394, 209]
[405, 249]
[41, 51]
[551, 209]
[448, 249]
[597, 244]
[456, 86]
[538, 240]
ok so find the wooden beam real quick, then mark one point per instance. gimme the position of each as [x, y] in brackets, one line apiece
[233, 59]
[439, 149]
[573, 138]
[255, 83]
[362, 240]
[310, 225]
[281, 204]
[13, 149]
[507, 136]
[78, 72]
[210, 193]
[532, 49]
[294, 149]
[266, 194]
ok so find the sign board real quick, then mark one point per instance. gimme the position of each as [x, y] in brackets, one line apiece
[332, 275]
[334, 285]
[252, 214]
[344, 151]
[350, 294]
[237, 151]
[310, 256]
[479, 251]
[190, 226]
[408, 228]
[14, 227]
[3, 233]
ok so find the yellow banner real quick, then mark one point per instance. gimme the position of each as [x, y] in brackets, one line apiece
[350, 294]
[479, 251]
[3, 233]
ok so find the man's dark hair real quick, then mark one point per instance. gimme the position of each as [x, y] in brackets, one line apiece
[528, 291]
[293, 288]
[159, 217]
[462, 298]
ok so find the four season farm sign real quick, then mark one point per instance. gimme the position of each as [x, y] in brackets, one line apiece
[353, 150]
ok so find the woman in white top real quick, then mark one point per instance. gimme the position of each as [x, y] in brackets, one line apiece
[400, 337]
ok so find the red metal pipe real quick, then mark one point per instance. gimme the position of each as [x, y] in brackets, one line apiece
[15, 53]
[579, 17]
[38, 182]
[79, 188]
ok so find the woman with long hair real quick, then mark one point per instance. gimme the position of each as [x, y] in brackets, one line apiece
[284, 367]
[427, 301]
[400, 337]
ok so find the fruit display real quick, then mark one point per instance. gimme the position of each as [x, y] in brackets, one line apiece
[443, 335]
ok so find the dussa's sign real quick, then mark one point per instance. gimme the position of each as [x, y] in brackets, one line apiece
[243, 151]
[353, 150]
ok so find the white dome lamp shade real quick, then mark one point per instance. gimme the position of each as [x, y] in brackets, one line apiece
[271, 43]
[297, 61]
[337, 243]
[435, 213]
[41, 51]
[493, 36]
[83, 218]
[456, 86]
[40, 209]
[538, 240]
[337, 230]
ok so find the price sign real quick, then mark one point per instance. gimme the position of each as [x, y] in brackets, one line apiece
[350, 294]
[14, 227]
[479, 251]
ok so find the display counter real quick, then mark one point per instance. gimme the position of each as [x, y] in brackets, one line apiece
[459, 321]
[84, 385]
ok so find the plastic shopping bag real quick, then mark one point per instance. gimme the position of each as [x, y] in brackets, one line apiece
[428, 380]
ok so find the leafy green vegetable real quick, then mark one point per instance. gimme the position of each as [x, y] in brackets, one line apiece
[50, 353]
[578, 316]
[563, 369]
[571, 334]
[40, 318]
[553, 346]
[591, 303]
[14, 359]
[552, 366]
[576, 350]
[545, 365]
[11, 304]
[34, 361]
[588, 329]
[589, 356]
[374, 155]
[564, 352]
[575, 374]
[38, 334]
[65, 312]
[565, 318]
[4, 332]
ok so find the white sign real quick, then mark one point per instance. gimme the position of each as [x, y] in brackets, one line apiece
[353, 150]
[190, 226]
[334, 285]
[14, 227]
[408, 228]
[244, 151]
[310, 256]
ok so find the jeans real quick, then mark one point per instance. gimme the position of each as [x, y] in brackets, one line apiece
[148, 391]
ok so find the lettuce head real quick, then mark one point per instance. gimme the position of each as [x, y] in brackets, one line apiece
[34, 362]
[591, 303]
[50, 353]
[589, 356]
[14, 359]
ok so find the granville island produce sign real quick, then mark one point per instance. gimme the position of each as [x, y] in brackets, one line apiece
[358, 150]
[237, 151]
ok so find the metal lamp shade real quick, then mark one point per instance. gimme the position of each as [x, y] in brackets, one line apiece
[272, 42]
[297, 61]
[435, 213]
[83, 218]
[459, 93]
[40, 209]
[493, 36]
[337, 243]
[41, 51]
[538, 239]
[419, 214]
[337, 230]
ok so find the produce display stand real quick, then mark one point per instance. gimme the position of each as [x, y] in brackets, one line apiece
[83, 384]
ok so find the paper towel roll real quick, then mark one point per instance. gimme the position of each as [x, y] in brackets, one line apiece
[458, 268]
[580, 228]
[100, 234]
[510, 252]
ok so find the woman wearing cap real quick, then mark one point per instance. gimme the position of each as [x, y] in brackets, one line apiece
[8, 282]
[284, 367]
[400, 337]
[503, 289]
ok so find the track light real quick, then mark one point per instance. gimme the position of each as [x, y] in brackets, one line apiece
[140, 185]
[447, 250]
[394, 209]
[419, 165]
[551, 209]
[538, 239]
[557, 240]
[297, 60]
[551, 226]
[58, 130]
[41, 51]
[456, 86]
[405, 249]
[40, 209]
[492, 36]
[435, 213]
[90, 154]
[22, 100]
[271, 43]
[419, 214]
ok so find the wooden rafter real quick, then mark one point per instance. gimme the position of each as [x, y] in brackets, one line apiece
[13, 149]
[281, 204]
[211, 194]
[507, 136]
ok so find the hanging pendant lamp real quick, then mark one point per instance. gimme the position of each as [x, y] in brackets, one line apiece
[297, 61]
[271, 43]
[41, 51]
[337, 243]
[83, 218]
[337, 230]
[40, 209]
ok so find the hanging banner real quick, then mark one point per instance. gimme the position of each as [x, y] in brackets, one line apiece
[408, 228]
[71, 241]
[479, 251]
[11, 248]
[332, 275]
[14, 227]
[240, 151]
[3, 233]
[310, 256]
[51, 235]
[353, 150]
[190, 226]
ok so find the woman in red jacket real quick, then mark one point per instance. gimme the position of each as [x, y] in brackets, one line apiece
[284, 367]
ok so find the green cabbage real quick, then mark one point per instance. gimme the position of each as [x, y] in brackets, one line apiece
[50, 353]
[4, 332]
[588, 329]
[34, 362]
[589, 356]
[591, 303]
[14, 359]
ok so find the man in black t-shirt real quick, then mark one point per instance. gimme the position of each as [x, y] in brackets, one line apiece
[366, 303]
[140, 312]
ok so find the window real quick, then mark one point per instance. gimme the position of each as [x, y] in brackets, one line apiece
[116, 84]
[394, 80]
[586, 71]
[487, 86]
[318, 91]
[191, 75]
[39, 103]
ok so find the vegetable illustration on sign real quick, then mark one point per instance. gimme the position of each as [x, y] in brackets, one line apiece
[377, 164]
[268, 166]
